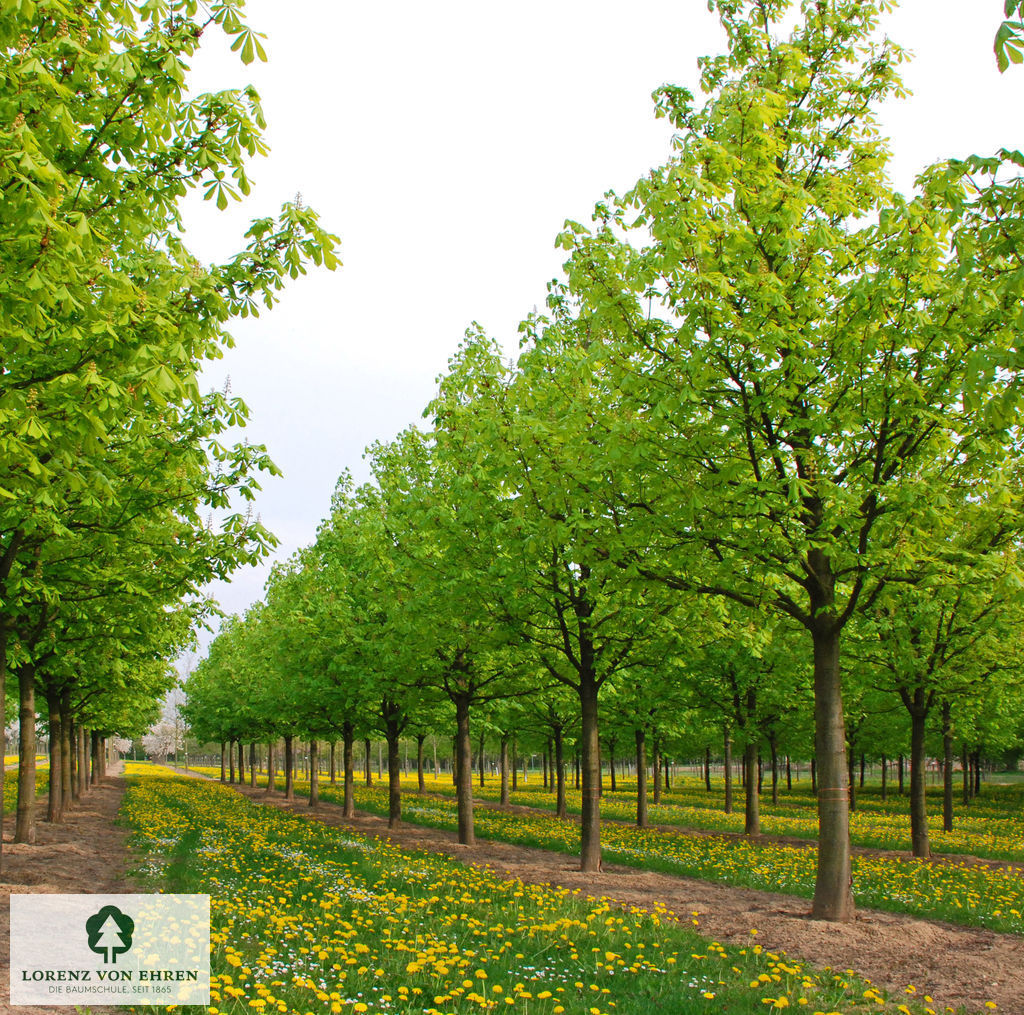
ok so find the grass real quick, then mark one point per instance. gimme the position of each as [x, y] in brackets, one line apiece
[991, 827]
[309, 919]
[963, 893]
[11, 787]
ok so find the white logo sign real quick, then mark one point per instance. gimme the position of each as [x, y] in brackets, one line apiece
[110, 949]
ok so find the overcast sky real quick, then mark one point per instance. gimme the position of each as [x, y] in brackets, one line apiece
[446, 144]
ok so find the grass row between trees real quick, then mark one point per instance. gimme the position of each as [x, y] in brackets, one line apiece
[309, 918]
[964, 893]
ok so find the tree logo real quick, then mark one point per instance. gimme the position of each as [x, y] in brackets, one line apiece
[110, 932]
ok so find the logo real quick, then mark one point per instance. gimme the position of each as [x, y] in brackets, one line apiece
[110, 932]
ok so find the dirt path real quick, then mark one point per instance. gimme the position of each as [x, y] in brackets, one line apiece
[953, 965]
[87, 853]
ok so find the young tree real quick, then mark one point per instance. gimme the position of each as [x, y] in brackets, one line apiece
[817, 367]
[937, 644]
[530, 465]
[107, 318]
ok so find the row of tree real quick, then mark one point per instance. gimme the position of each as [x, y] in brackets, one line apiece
[113, 463]
[759, 462]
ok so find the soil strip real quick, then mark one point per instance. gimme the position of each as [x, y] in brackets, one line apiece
[87, 853]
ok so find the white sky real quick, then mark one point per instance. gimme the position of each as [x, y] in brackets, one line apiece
[446, 144]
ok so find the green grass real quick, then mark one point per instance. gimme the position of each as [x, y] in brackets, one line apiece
[11, 787]
[992, 826]
[968, 894]
[309, 918]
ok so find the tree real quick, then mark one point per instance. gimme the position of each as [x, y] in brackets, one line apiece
[938, 643]
[819, 369]
[1009, 41]
[107, 317]
[439, 547]
[529, 465]
[745, 681]
[122, 744]
[162, 740]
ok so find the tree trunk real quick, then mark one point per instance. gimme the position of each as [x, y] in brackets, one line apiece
[514, 763]
[947, 768]
[314, 773]
[833, 897]
[421, 779]
[752, 809]
[656, 767]
[547, 766]
[82, 776]
[67, 786]
[334, 769]
[241, 762]
[464, 771]
[289, 768]
[707, 768]
[559, 774]
[393, 730]
[590, 825]
[271, 767]
[918, 805]
[899, 774]
[223, 762]
[641, 777]
[252, 764]
[480, 758]
[885, 779]
[504, 770]
[727, 765]
[965, 771]
[55, 796]
[348, 736]
[25, 827]
[94, 757]
[774, 748]
[369, 773]
[789, 775]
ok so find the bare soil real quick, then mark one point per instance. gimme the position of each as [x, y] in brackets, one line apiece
[87, 853]
[953, 965]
